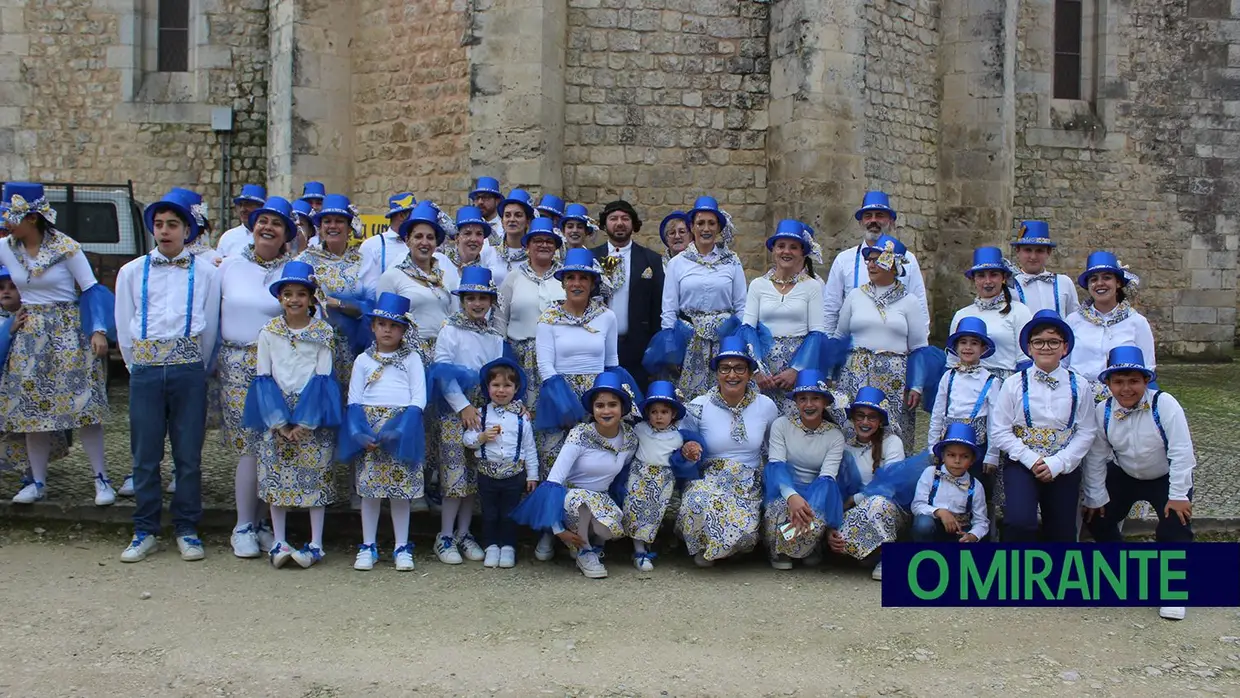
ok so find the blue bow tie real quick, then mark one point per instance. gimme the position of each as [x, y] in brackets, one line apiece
[1047, 380]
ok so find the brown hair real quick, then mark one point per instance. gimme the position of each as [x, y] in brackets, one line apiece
[876, 447]
[502, 371]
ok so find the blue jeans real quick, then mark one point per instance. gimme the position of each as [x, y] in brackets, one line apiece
[928, 529]
[499, 498]
[167, 401]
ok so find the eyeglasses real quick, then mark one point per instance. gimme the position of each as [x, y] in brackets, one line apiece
[859, 416]
[542, 241]
[735, 369]
[1046, 343]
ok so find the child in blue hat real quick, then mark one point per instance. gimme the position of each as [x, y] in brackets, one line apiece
[653, 477]
[993, 304]
[950, 504]
[1036, 287]
[1107, 319]
[294, 402]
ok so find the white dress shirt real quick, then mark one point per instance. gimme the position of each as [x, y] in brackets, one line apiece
[167, 298]
[292, 364]
[507, 259]
[1135, 445]
[1040, 295]
[619, 303]
[1003, 330]
[56, 284]
[904, 329]
[657, 447]
[587, 468]
[1094, 342]
[380, 253]
[575, 350]
[863, 455]
[794, 314]
[472, 350]
[522, 301]
[428, 306]
[245, 303]
[501, 454]
[497, 227]
[690, 286]
[393, 388]
[953, 499]
[809, 456]
[848, 272]
[1047, 409]
[234, 240]
[715, 426]
[965, 391]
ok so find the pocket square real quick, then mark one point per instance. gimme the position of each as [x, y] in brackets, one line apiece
[647, 273]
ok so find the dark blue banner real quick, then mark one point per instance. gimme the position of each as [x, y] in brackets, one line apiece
[1062, 574]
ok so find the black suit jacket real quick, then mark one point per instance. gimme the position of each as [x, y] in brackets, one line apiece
[645, 307]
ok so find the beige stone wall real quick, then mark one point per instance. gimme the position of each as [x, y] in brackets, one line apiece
[410, 102]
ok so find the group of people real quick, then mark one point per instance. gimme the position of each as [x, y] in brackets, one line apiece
[496, 360]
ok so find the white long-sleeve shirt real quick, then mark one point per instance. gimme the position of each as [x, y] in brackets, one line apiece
[966, 388]
[848, 271]
[522, 301]
[501, 454]
[657, 447]
[380, 253]
[292, 364]
[472, 350]
[690, 286]
[904, 329]
[1003, 330]
[573, 350]
[715, 426]
[167, 298]
[589, 468]
[393, 388]
[619, 302]
[1040, 295]
[1048, 408]
[245, 303]
[1136, 445]
[59, 283]
[794, 314]
[1094, 342]
[808, 455]
[953, 499]
[863, 455]
[428, 306]
[233, 241]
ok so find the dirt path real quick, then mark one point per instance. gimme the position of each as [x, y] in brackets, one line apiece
[75, 623]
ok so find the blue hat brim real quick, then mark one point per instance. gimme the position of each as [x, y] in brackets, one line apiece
[813, 389]
[549, 211]
[1083, 279]
[385, 315]
[875, 207]
[770, 242]
[1119, 368]
[1058, 323]
[252, 199]
[717, 212]
[942, 446]
[148, 217]
[987, 266]
[676, 405]
[290, 228]
[502, 361]
[473, 221]
[492, 192]
[714, 362]
[529, 210]
[317, 218]
[559, 273]
[463, 289]
[955, 337]
[1034, 242]
[312, 197]
[863, 403]
[274, 288]
[587, 399]
[407, 227]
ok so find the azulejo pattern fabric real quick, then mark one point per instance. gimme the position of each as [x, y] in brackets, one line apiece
[782, 351]
[52, 381]
[337, 274]
[874, 521]
[802, 546]
[549, 443]
[885, 371]
[458, 471]
[527, 358]
[237, 365]
[14, 456]
[296, 474]
[696, 377]
[601, 506]
[55, 248]
[380, 475]
[720, 514]
[649, 494]
[166, 352]
[1042, 440]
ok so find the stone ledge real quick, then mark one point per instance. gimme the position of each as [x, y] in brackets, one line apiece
[190, 114]
[1058, 138]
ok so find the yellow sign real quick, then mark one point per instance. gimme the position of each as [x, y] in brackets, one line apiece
[373, 224]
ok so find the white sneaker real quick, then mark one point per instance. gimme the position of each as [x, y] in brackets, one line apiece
[126, 489]
[280, 553]
[445, 550]
[491, 558]
[781, 562]
[191, 548]
[545, 550]
[308, 555]
[643, 561]
[507, 557]
[589, 564]
[31, 493]
[105, 496]
[403, 556]
[266, 537]
[470, 548]
[1172, 612]
[877, 573]
[142, 545]
[367, 556]
[245, 542]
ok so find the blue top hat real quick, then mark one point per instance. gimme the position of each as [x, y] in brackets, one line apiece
[254, 193]
[1101, 261]
[576, 212]
[520, 197]
[424, 212]
[334, 205]
[400, 203]
[706, 204]
[582, 260]
[971, 327]
[961, 433]
[988, 258]
[789, 229]
[552, 205]
[471, 215]
[295, 273]
[1126, 358]
[313, 191]
[475, 280]
[177, 202]
[279, 206]
[1041, 320]
[4, 272]
[486, 185]
[519, 394]
[875, 201]
[390, 306]
[809, 230]
[302, 209]
[733, 346]
[25, 198]
[890, 252]
[811, 380]
[872, 398]
[545, 227]
[196, 204]
[665, 392]
[673, 216]
[610, 383]
[1034, 233]
[28, 191]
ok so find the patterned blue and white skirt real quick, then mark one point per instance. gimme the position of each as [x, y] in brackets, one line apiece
[874, 521]
[380, 475]
[458, 470]
[696, 377]
[645, 505]
[601, 506]
[782, 351]
[296, 474]
[804, 545]
[236, 367]
[53, 381]
[885, 371]
[720, 514]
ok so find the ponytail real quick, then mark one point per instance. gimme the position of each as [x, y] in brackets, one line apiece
[809, 268]
[1007, 300]
[876, 447]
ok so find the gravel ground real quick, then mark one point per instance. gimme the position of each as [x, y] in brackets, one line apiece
[86, 624]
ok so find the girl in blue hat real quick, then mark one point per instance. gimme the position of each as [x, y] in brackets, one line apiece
[1107, 320]
[234, 240]
[246, 307]
[470, 247]
[1004, 316]
[950, 504]
[295, 404]
[803, 500]
[1036, 287]
[675, 234]
[721, 512]
[515, 212]
[383, 424]
[578, 227]
[663, 454]
[704, 287]
[466, 342]
[54, 379]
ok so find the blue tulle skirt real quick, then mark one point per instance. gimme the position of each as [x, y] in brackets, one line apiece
[6, 341]
[319, 403]
[898, 481]
[442, 376]
[543, 509]
[849, 477]
[667, 348]
[265, 406]
[98, 308]
[758, 339]
[355, 434]
[355, 329]
[731, 326]
[925, 367]
[559, 407]
[404, 437]
[818, 351]
[822, 494]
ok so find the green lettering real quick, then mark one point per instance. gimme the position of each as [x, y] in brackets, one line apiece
[1102, 568]
[970, 577]
[1166, 575]
[1037, 577]
[1143, 558]
[944, 576]
[1073, 576]
[1014, 579]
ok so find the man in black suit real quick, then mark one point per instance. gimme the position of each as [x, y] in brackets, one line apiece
[637, 285]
